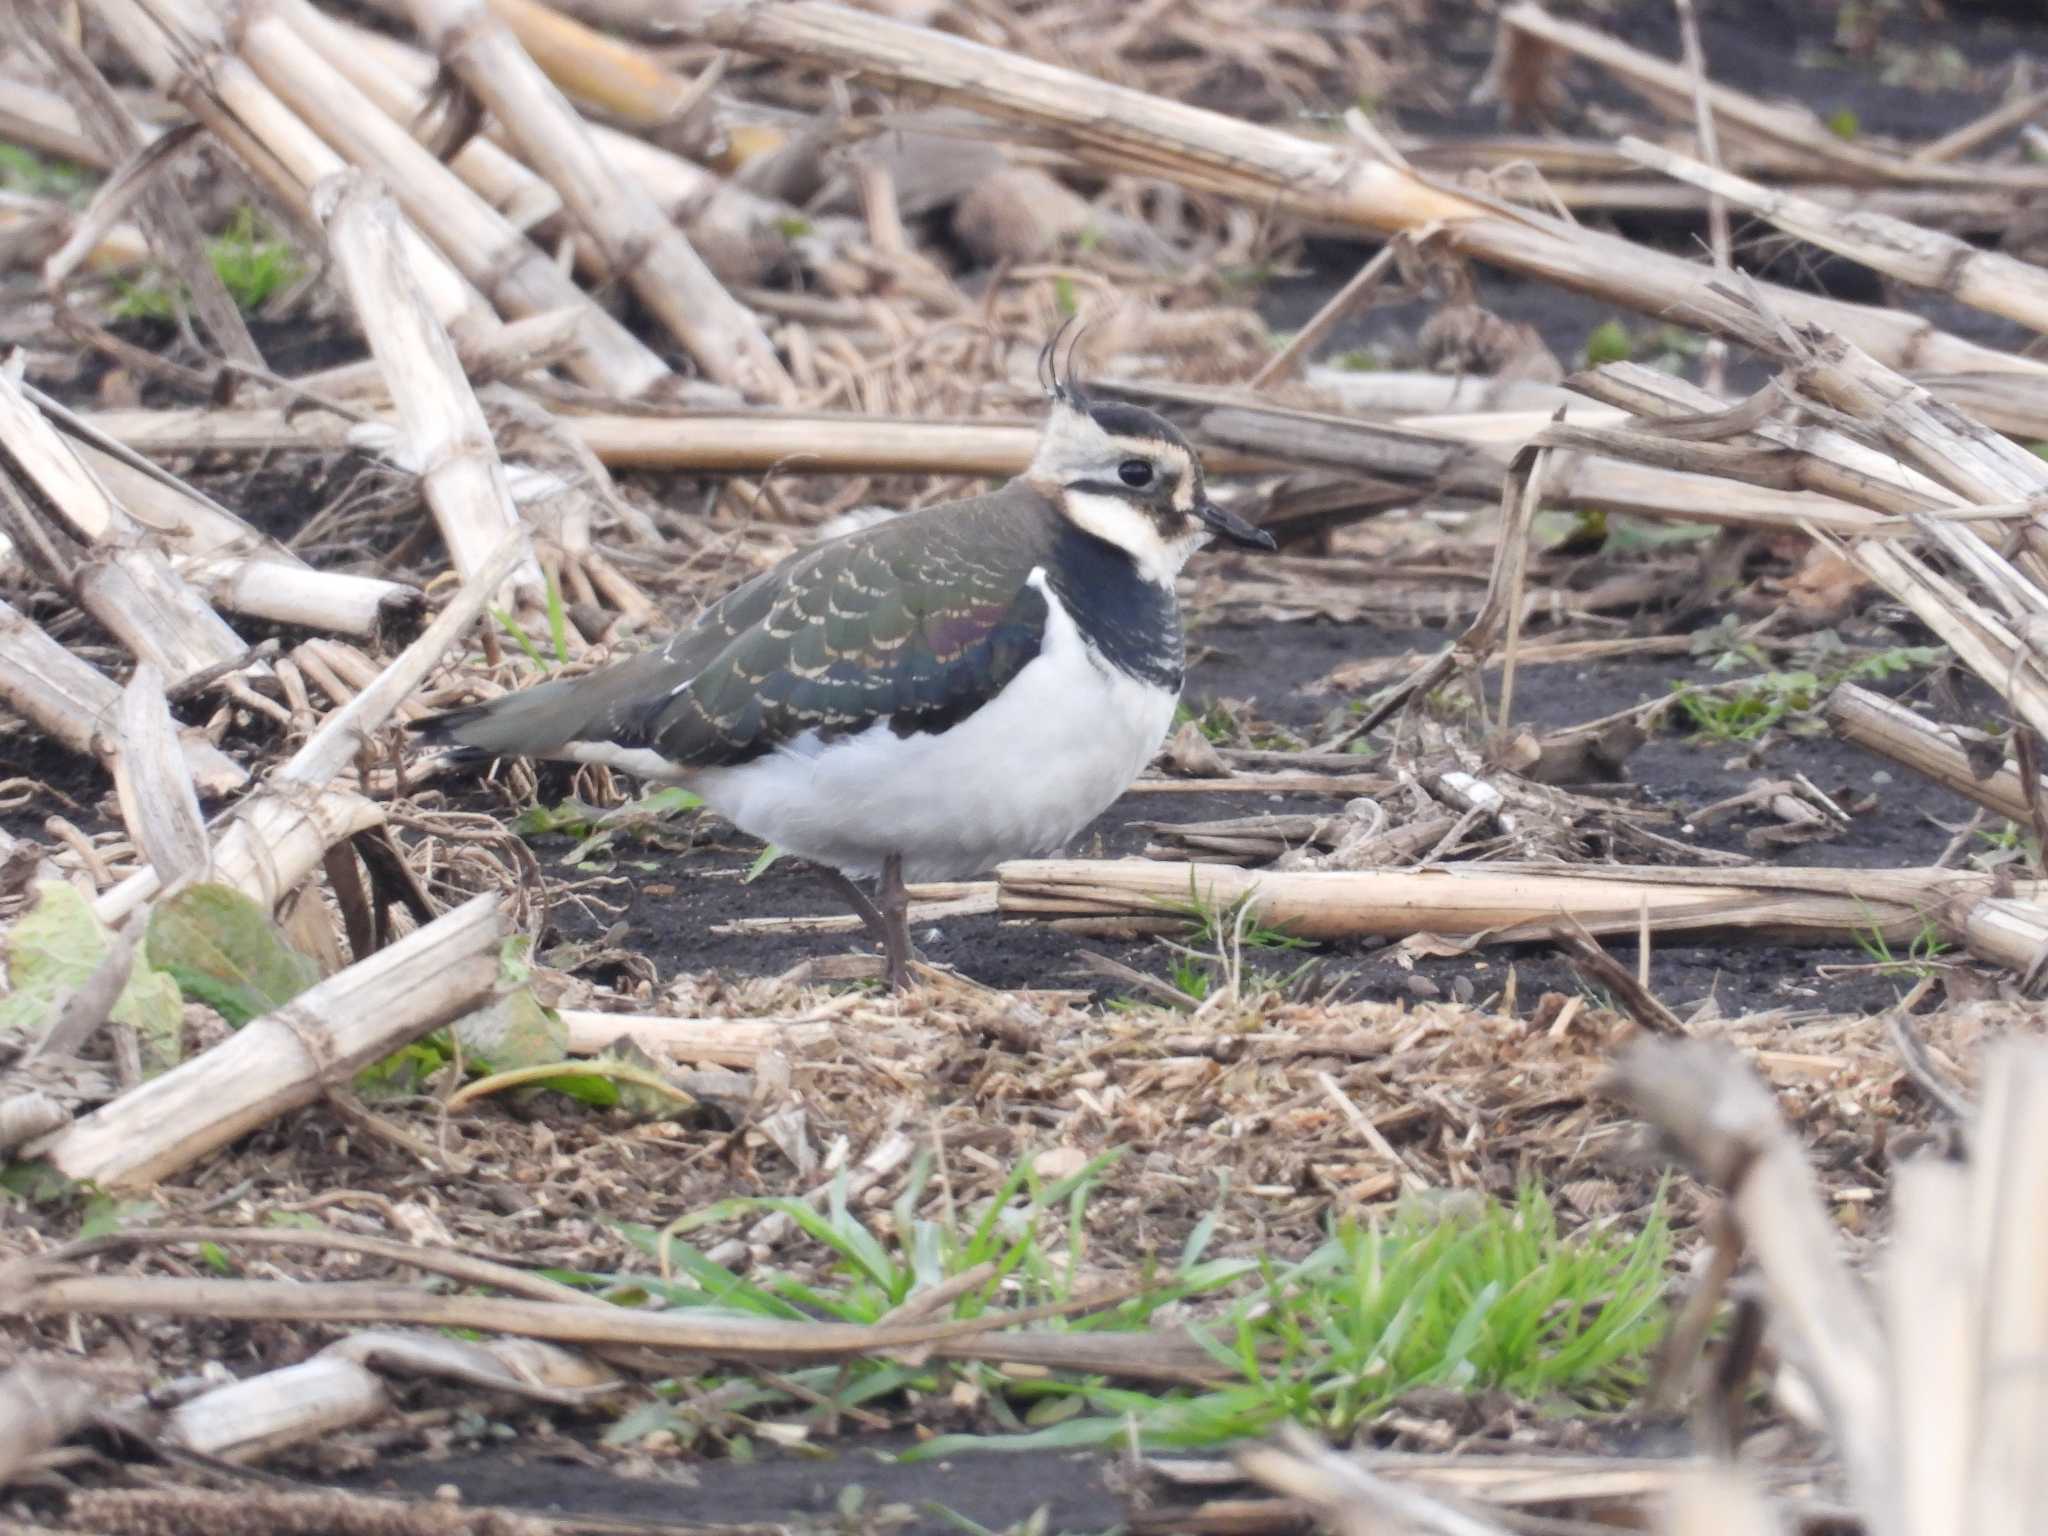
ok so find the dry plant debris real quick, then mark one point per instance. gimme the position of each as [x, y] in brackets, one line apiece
[394, 354]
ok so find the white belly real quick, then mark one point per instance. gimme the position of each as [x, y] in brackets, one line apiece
[1016, 779]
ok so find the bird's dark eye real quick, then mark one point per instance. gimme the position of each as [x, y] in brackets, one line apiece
[1135, 473]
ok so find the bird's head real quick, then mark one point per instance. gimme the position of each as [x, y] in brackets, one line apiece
[1127, 476]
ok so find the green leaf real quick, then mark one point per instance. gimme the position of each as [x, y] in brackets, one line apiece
[51, 949]
[1608, 342]
[37, 1182]
[515, 967]
[558, 622]
[601, 1082]
[54, 947]
[151, 1005]
[1048, 1411]
[669, 800]
[656, 1417]
[405, 1069]
[1844, 124]
[760, 866]
[519, 637]
[572, 818]
[511, 1032]
[104, 1215]
[592, 1088]
[252, 264]
[1071, 1434]
[23, 170]
[637, 1082]
[223, 950]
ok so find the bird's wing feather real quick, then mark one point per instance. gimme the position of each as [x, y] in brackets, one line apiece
[915, 631]
[603, 705]
[918, 621]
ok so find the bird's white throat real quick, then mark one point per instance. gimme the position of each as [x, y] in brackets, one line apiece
[1134, 531]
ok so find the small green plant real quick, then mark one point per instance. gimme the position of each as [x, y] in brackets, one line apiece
[1213, 954]
[1728, 645]
[1197, 976]
[2006, 837]
[1213, 720]
[23, 170]
[558, 630]
[1214, 923]
[1370, 359]
[1921, 957]
[1742, 714]
[874, 1270]
[1192, 976]
[1628, 535]
[1465, 1292]
[1743, 710]
[1230, 723]
[1608, 342]
[1844, 124]
[1666, 347]
[253, 263]
[1490, 1296]
[1453, 701]
[597, 832]
[2005, 845]
[1930, 67]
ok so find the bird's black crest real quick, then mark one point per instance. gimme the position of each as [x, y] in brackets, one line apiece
[1113, 416]
[1067, 389]
[1122, 420]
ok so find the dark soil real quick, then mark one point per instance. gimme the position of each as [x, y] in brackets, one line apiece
[672, 905]
[1892, 83]
[999, 1492]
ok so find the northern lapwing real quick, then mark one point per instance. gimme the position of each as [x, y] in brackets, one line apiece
[927, 697]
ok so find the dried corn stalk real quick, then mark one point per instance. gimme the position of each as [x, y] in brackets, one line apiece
[289, 1057]
[444, 436]
[1122, 131]
[637, 240]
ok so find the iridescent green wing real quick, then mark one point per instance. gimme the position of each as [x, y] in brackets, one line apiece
[917, 624]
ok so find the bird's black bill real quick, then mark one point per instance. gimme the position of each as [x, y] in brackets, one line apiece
[1229, 525]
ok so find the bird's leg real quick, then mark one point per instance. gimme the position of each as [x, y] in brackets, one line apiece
[893, 900]
[862, 903]
[886, 914]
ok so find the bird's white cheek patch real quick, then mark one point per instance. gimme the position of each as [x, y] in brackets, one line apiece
[1116, 521]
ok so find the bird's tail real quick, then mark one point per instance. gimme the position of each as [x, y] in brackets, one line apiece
[534, 722]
